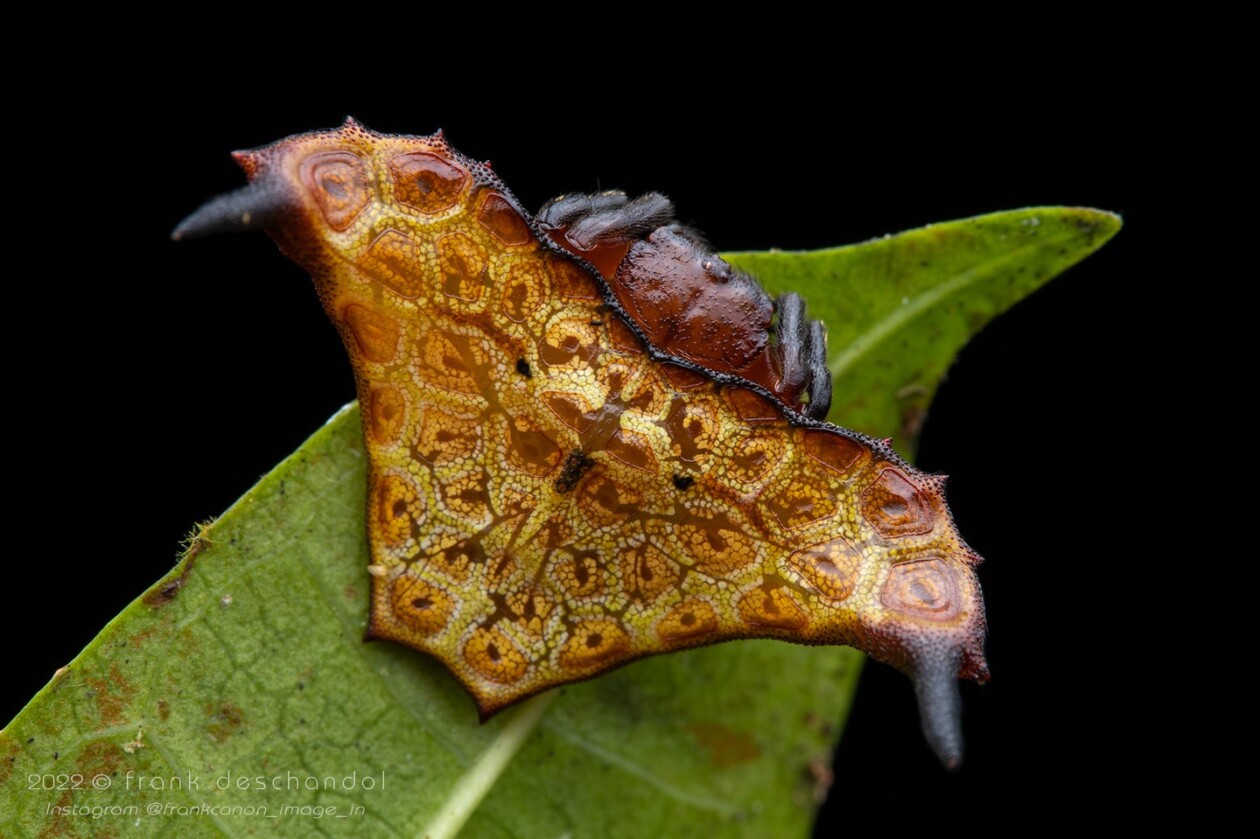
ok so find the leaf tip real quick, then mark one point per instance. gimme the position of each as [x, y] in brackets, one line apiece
[1102, 223]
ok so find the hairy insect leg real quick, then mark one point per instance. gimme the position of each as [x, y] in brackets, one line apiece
[605, 217]
[793, 332]
[818, 382]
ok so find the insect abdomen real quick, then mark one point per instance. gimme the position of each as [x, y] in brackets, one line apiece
[689, 302]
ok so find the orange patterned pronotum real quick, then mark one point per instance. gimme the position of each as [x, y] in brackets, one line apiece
[590, 440]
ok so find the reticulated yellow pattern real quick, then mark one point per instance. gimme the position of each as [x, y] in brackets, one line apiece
[547, 498]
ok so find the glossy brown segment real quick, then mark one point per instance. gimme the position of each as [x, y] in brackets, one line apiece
[688, 302]
[427, 182]
[421, 605]
[895, 506]
[390, 262]
[338, 182]
[504, 222]
[671, 291]
[833, 567]
[925, 588]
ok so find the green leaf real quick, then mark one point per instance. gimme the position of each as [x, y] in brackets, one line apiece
[218, 698]
[898, 309]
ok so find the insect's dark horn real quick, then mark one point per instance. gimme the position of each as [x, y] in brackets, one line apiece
[940, 706]
[251, 207]
[248, 208]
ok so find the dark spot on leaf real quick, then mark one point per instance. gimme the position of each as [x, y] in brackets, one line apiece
[164, 595]
[726, 746]
[224, 721]
[683, 482]
[112, 693]
[819, 724]
[168, 589]
[522, 367]
[98, 758]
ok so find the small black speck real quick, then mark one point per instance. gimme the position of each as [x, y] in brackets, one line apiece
[56, 755]
[574, 465]
[683, 482]
[32, 740]
[597, 323]
[522, 367]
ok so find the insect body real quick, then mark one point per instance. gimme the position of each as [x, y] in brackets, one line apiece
[573, 463]
[688, 302]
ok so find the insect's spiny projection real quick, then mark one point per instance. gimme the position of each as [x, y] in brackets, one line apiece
[560, 480]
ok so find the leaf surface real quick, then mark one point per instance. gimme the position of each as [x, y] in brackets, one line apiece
[898, 309]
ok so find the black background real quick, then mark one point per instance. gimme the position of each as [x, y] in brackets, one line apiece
[155, 382]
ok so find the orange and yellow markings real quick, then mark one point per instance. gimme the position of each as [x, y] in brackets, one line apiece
[549, 499]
